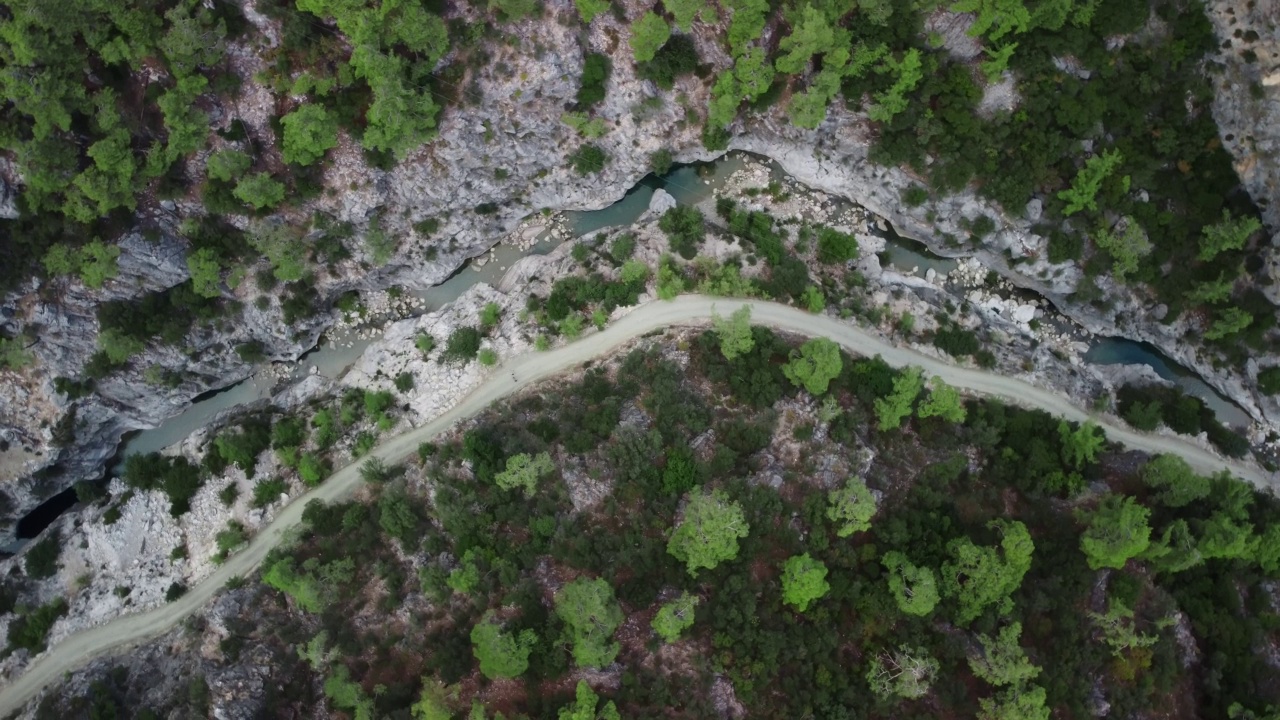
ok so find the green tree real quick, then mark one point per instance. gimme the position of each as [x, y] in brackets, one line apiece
[1126, 249]
[584, 706]
[1083, 192]
[281, 243]
[1229, 322]
[523, 472]
[206, 272]
[812, 35]
[675, 617]
[1214, 291]
[914, 588]
[434, 701]
[1175, 550]
[978, 577]
[726, 96]
[590, 614]
[1267, 552]
[995, 18]
[851, 507]
[1002, 661]
[684, 11]
[117, 346]
[465, 578]
[709, 532]
[814, 365]
[1227, 234]
[501, 654]
[1015, 703]
[1177, 485]
[753, 73]
[97, 263]
[1118, 629]
[909, 72]
[1080, 446]
[589, 9]
[747, 23]
[891, 410]
[803, 581]
[648, 34]
[906, 673]
[192, 41]
[735, 332]
[836, 247]
[227, 165]
[813, 299]
[1117, 531]
[60, 259]
[1224, 537]
[259, 191]
[283, 575]
[309, 132]
[944, 401]
[997, 61]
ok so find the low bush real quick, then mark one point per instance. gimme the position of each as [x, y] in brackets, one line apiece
[30, 630]
[41, 561]
[595, 74]
[588, 159]
[463, 345]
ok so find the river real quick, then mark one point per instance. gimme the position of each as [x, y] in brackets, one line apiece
[689, 184]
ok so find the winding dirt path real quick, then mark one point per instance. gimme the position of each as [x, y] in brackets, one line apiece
[78, 649]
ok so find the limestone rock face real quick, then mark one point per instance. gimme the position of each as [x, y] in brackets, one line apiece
[1246, 101]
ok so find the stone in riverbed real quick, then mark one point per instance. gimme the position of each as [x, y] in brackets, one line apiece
[661, 201]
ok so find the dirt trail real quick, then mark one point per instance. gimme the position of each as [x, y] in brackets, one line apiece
[80, 648]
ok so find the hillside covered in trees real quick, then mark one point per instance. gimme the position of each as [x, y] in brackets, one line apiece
[731, 523]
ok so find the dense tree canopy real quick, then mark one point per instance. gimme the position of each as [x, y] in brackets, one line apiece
[708, 532]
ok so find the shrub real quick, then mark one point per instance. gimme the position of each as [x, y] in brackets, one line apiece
[268, 491]
[588, 159]
[30, 630]
[1269, 380]
[363, 444]
[404, 382]
[313, 469]
[252, 352]
[679, 56]
[41, 561]
[624, 247]
[488, 357]
[836, 247]
[231, 538]
[463, 345]
[956, 341]
[595, 74]
[229, 494]
[175, 591]
[425, 343]
[685, 228]
[259, 191]
[660, 162]
[914, 196]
